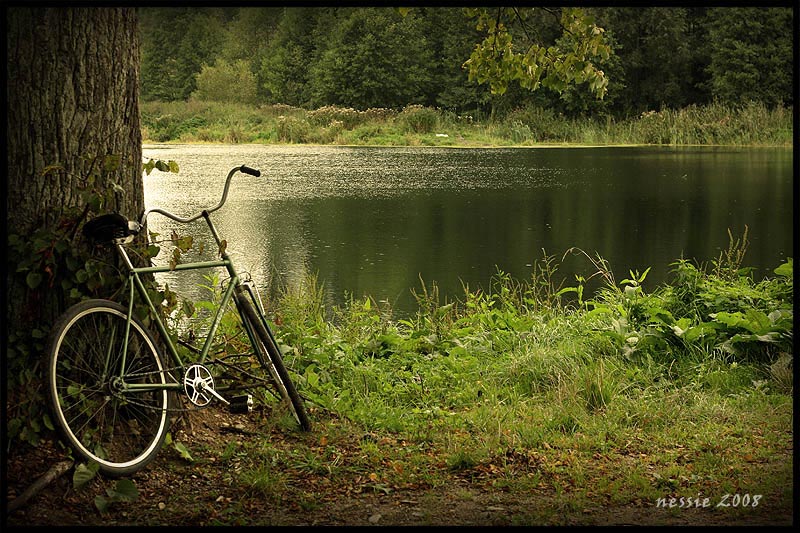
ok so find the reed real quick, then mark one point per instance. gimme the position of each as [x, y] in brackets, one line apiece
[213, 122]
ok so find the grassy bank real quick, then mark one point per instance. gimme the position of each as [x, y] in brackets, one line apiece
[211, 122]
[623, 401]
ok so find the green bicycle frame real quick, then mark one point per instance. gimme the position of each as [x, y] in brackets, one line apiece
[136, 285]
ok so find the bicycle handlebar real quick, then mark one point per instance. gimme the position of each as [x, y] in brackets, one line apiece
[251, 171]
[244, 169]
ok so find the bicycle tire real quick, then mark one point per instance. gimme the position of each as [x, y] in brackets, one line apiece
[270, 358]
[121, 431]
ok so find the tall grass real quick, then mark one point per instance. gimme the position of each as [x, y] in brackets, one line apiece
[414, 125]
[619, 399]
[494, 354]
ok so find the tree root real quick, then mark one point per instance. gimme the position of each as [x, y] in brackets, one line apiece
[56, 471]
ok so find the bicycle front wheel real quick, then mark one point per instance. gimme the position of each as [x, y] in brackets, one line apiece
[90, 369]
[269, 357]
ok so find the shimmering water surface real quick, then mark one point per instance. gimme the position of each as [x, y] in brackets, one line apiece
[381, 221]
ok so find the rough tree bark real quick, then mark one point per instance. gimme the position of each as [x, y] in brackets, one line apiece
[73, 96]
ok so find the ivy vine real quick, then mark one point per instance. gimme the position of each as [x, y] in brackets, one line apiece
[55, 265]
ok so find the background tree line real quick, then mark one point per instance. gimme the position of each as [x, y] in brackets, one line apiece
[367, 57]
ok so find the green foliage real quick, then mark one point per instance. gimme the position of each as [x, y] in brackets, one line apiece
[226, 82]
[162, 166]
[283, 68]
[84, 473]
[751, 55]
[179, 447]
[196, 121]
[519, 386]
[655, 61]
[701, 311]
[176, 43]
[419, 119]
[521, 340]
[292, 130]
[573, 59]
[372, 57]
[58, 260]
[124, 490]
[639, 59]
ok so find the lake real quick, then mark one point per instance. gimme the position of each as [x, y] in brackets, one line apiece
[381, 221]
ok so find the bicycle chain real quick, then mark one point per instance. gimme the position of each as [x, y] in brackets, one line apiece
[168, 371]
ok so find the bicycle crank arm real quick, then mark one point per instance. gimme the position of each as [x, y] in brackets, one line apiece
[215, 393]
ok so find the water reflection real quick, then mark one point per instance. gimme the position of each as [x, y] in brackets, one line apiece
[375, 220]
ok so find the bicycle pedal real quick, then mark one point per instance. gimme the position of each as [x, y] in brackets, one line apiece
[241, 404]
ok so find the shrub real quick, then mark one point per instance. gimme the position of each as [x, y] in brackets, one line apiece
[419, 119]
[226, 82]
[328, 115]
[292, 130]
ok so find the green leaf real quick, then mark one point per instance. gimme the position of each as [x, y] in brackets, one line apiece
[48, 423]
[188, 308]
[757, 322]
[184, 451]
[124, 491]
[33, 279]
[682, 326]
[84, 473]
[785, 269]
[311, 377]
[101, 504]
[729, 319]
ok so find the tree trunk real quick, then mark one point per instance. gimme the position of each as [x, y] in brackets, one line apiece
[73, 101]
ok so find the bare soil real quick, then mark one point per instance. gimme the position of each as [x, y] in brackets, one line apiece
[173, 491]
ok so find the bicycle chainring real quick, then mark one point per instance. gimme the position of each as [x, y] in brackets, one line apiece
[198, 385]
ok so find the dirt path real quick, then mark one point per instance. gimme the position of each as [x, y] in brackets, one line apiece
[174, 492]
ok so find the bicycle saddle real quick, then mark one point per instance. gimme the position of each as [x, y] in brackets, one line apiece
[111, 227]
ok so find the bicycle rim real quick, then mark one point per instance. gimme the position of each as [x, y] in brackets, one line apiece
[122, 431]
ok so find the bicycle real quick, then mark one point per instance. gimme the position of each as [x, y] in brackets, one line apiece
[110, 387]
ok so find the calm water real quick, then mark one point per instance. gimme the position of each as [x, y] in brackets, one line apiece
[378, 220]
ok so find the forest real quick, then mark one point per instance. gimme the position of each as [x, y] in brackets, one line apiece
[372, 57]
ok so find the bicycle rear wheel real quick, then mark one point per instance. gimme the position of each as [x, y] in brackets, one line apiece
[270, 359]
[101, 420]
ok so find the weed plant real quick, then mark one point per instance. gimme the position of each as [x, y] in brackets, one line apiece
[540, 383]
[415, 125]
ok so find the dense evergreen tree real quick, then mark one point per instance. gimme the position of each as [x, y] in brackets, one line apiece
[654, 54]
[453, 38]
[177, 42]
[388, 57]
[284, 67]
[751, 55]
[373, 57]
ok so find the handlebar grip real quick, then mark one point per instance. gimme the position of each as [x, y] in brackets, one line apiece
[251, 171]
